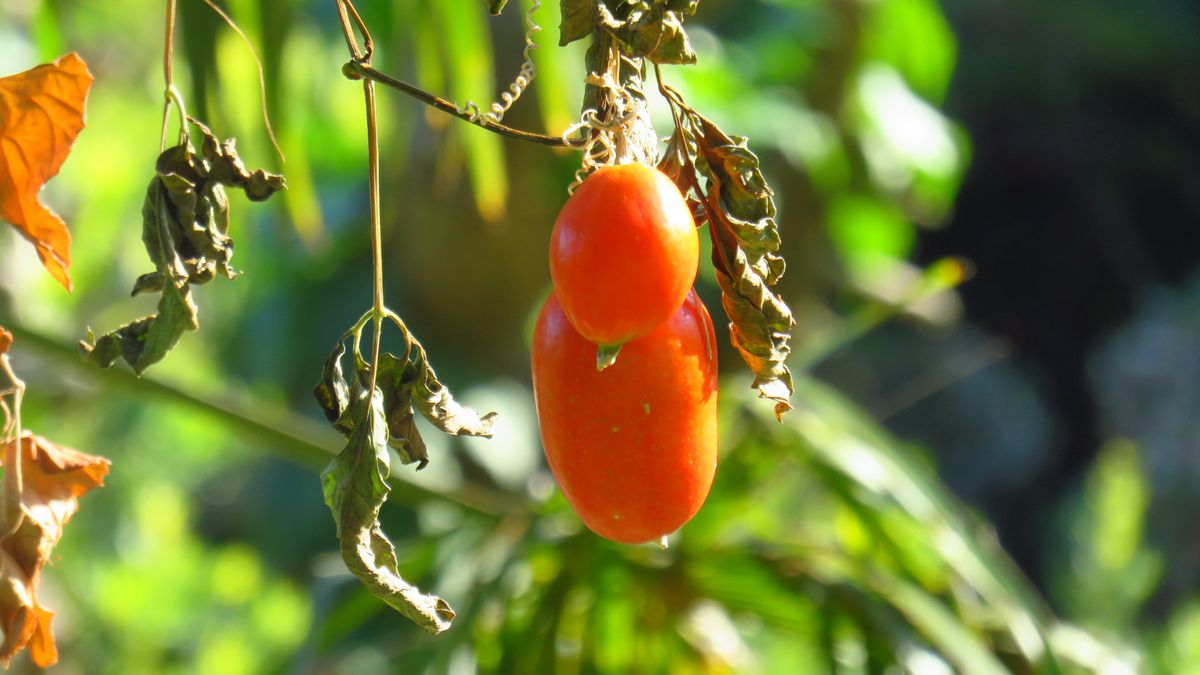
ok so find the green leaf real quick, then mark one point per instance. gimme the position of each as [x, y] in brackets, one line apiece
[176, 314]
[144, 342]
[355, 487]
[578, 20]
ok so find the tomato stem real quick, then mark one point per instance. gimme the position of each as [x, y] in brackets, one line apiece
[606, 355]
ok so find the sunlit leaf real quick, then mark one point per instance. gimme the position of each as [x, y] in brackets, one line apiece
[41, 113]
[650, 30]
[740, 209]
[53, 479]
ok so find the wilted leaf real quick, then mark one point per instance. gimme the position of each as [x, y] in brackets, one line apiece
[740, 209]
[185, 226]
[653, 30]
[355, 482]
[578, 20]
[434, 401]
[407, 385]
[332, 393]
[41, 113]
[395, 382]
[355, 487]
[144, 342]
[53, 479]
[6, 340]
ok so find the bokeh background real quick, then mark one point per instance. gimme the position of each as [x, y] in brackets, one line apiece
[989, 213]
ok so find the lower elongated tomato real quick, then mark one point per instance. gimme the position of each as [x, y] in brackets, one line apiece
[633, 447]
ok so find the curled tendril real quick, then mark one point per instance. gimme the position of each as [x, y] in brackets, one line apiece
[515, 88]
[606, 140]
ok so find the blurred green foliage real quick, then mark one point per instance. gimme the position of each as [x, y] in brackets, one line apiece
[826, 545]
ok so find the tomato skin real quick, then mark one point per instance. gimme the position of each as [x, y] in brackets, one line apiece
[623, 253]
[633, 447]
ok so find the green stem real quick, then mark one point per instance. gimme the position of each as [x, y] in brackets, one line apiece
[377, 309]
[356, 70]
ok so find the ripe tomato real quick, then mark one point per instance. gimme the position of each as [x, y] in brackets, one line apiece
[633, 447]
[623, 253]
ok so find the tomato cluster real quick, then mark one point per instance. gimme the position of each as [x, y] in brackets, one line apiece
[633, 446]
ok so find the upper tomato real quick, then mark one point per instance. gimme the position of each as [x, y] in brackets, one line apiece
[633, 448]
[623, 253]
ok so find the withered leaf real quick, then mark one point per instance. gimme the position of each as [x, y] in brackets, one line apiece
[355, 487]
[407, 385]
[355, 482]
[332, 392]
[578, 20]
[434, 401]
[185, 229]
[395, 382]
[41, 113]
[147, 340]
[53, 479]
[650, 29]
[6, 340]
[740, 209]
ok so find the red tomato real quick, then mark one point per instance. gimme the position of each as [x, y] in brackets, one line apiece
[623, 253]
[633, 447]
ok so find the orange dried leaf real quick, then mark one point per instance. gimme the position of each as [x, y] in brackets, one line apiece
[6, 340]
[41, 113]
[53, 479]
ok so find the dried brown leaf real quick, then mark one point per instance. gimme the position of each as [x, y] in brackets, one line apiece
[6, 340]
[41, 113]
[53, 479]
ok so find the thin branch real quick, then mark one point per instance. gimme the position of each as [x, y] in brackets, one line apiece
[169, 45]
[345, 10]
[358, 70]
[168, 68]
[376, 229]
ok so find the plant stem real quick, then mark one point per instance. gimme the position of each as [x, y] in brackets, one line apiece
[358, 70]
[13, 482]
[376, 230]
[346, 12]
[168, 68]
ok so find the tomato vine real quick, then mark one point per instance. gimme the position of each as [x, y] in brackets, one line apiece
[186, 233]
